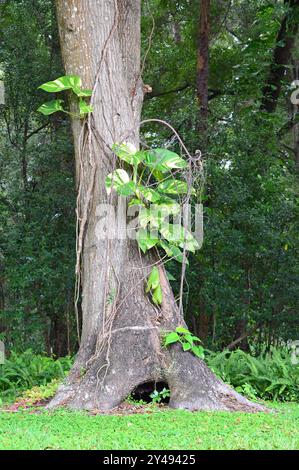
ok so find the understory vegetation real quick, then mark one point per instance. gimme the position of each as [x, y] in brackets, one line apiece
[24, 371]
[270, 376]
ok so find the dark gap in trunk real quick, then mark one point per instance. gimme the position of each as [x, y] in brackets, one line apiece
[143, 391]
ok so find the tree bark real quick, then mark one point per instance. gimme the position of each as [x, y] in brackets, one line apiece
[2, 296]
[282, 56]
[203, 64]
[202, 82]
[295, 113]
[121, 332]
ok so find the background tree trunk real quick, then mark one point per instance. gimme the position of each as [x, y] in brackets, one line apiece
[285, 42]
[121, 332]
[203, 65]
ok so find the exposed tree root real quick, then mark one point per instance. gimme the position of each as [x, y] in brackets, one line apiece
[192, 385]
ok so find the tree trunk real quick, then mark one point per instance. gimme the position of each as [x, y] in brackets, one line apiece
[2, 297]
[121, 332]
[203, 66]
[285, 42]
[295, 112]
[202, 82]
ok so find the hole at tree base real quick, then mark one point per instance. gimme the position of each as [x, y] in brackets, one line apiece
[144, 391]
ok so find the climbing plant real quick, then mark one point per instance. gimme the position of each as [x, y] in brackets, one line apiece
[186, 339]
[67, 82]
[152, 186]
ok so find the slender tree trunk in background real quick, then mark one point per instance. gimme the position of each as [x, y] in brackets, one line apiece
[203, 65]
[241, 336]
[285, 42]
[2, 297]
[58, 336]
[295, 112]
[296, 145]
[202, 81]
[203, 319]
[121, 334]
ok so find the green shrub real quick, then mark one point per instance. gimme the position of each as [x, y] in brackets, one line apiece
[24, 371]
[271, 376]
[38, 393]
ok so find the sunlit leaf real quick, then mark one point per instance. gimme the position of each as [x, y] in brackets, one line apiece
[63, 83]
[173, 251]
[83, 93]
[181, 329]
[84, 108]
[171, 338]
[157, 296]
[154, 279]
[186, 346]
[128, 153]
[198, 351]
[164, 160]
[116, 179]
[146, 240]
[172, 186]
[51, 107]
[149, 194]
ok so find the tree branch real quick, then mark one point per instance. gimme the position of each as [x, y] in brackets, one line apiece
[168, 92]
[37, 130]
[243, 336]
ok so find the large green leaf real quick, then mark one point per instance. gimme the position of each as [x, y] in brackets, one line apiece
[171, 338]
[51, 107]
[155, 214]
[173, 251]
[146, 240]
[172, 186]
[178, 235]
[83, 93]
[189, 243]
[157, 297]
[169, 276]
[149, 194]
[62, 83]
[154, 279]
[145, 216]
[128, 153]
[186, 346]
[136, 202]
[181, 329]
[164, 160]
[167, 206]
[127, 189]
[198, 351]
[116, 180]
[84, 108]
[172, 232]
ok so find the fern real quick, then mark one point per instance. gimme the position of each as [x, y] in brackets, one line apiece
[24, 371]
[271, 376]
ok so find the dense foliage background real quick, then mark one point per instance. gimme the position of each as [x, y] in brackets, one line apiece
[242, 284]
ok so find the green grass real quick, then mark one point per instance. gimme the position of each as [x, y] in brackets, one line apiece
[158, 430]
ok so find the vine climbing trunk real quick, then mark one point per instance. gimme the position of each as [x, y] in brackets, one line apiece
[121, 329]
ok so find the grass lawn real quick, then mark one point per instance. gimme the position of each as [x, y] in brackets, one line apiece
[171, 429]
